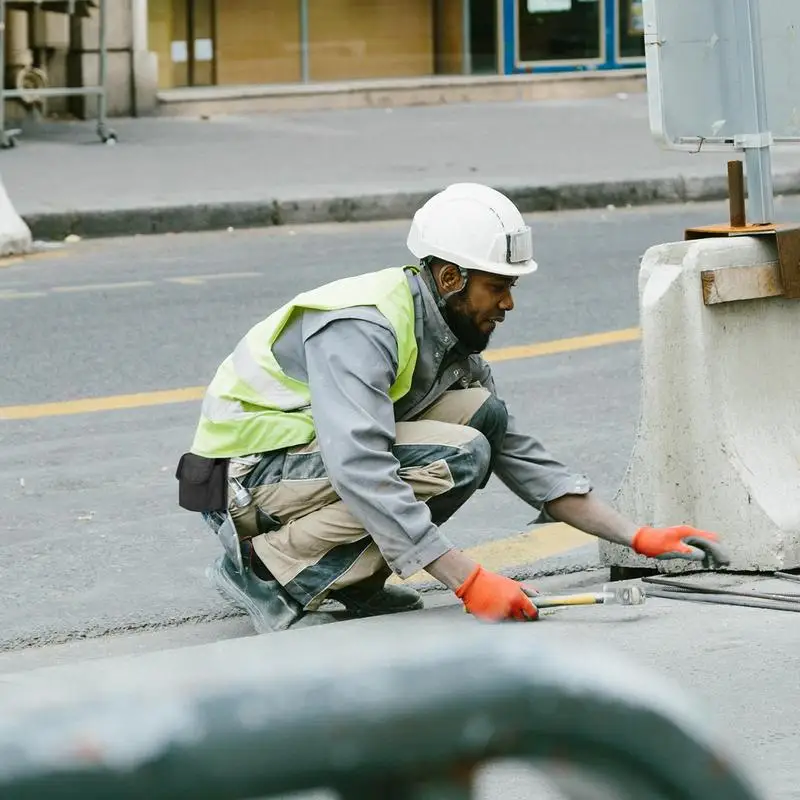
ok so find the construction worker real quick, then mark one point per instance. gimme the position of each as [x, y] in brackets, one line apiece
[347, 426]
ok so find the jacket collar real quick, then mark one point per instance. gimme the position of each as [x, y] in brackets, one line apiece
[429, 323]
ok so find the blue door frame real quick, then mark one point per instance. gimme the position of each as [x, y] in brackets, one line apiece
[611, 62]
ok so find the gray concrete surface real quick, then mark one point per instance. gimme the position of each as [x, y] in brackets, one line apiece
[362, 164]
[737, 667]
[92, 540]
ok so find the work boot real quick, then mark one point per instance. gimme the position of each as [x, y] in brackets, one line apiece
[371, 597]
[270, 607]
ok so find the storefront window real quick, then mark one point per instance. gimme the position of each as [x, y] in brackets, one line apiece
[631, 28]
[559, 30]
[224, 42]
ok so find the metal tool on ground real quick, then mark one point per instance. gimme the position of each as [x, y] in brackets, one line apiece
[692, 587]
[627, 595]
[691, 592]
[787, 576]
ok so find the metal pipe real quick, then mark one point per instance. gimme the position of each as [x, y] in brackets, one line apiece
[725, 600]
[787, 576]
[304, 57]
[788, 597]
[58, 91]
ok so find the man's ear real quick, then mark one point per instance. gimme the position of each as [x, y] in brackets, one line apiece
[449, 279]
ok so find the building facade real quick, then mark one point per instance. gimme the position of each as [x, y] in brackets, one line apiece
[230, 42]
[162, 45]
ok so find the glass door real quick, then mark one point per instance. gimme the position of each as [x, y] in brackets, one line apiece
[559, 32]
[201, 65]
[482, 26]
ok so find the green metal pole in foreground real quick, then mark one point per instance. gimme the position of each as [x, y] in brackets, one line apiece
[404, 710]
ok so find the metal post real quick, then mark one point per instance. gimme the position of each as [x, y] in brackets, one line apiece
[466, 35]
[101, 97]
[738, 217]
[190, 43]
[4, 140]
[304, 67]
[754, 136]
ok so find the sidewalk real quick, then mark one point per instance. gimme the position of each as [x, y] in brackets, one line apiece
[179, 174]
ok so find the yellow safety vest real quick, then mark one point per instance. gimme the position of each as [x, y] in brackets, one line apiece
[251, 406]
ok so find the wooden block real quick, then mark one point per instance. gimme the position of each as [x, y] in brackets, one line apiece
[727, 284]
[788, 239]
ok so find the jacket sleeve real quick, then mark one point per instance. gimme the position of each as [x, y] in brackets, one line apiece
[525, 466]
[351, 365]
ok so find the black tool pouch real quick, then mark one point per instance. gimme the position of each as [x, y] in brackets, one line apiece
[202, 483]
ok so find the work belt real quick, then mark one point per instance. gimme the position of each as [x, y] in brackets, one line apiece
[204, 485]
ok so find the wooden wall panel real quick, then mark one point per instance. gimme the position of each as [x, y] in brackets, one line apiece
[258, 41]
[351, 39]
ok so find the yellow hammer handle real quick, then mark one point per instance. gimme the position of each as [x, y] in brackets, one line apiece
[553, 600]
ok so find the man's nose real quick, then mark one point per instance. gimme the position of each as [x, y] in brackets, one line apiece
[507, 303]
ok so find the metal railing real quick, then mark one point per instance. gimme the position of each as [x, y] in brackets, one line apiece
[397, 708]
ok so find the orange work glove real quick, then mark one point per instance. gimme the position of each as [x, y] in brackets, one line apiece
[680, 541]
[494, 597]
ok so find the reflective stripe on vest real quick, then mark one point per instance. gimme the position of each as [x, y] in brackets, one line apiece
[251, 406]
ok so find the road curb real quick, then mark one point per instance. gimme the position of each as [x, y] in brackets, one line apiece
[97, 223]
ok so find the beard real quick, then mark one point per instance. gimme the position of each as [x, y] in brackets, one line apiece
[465, 329]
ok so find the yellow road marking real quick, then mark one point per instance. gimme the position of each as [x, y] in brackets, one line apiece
[10, 261]
[100, 287]
[11, 294]
[186, 280]
[563, 345]
[515, 551]
[192, 393]
[195, 280]
[92, 404]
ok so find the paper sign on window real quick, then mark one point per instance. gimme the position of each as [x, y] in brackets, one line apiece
[548, 6]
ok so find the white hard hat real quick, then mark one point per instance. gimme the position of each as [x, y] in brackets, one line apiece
[474, 227]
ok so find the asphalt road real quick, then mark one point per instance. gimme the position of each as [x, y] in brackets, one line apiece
[92, 538]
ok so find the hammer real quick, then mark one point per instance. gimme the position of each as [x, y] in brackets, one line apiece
[611, 594]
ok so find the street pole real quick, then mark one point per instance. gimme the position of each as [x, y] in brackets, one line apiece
[755, 138]
[466, 35]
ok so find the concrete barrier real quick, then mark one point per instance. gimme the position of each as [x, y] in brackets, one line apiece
[718, 442]
[15, 235]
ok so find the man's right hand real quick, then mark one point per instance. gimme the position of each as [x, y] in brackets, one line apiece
[494, 597]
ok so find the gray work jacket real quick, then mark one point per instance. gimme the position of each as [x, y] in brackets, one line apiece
[349, 359]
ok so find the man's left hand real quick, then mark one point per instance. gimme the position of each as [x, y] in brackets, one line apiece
[680, 541]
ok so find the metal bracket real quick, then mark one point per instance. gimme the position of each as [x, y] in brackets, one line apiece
[787, 243]
[745, 140]
[786, 282]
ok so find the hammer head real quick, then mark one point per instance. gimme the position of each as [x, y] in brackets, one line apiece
[623, 595]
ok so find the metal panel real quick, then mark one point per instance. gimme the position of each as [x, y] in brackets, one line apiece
[699, 77]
